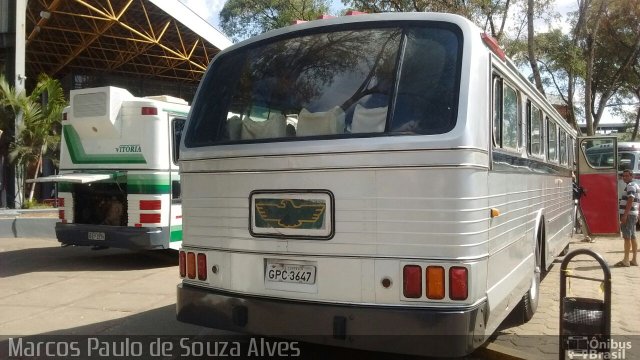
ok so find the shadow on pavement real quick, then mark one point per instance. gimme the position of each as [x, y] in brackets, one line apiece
[71, 258]
[160, 326]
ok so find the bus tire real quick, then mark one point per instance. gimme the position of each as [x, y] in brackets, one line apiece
[530, 299]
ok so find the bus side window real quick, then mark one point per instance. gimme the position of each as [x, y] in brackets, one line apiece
[563, 148]
[506, 118]
[534, 131]
[176, 191]
[552, 140]
[177, 125]
[626, 161]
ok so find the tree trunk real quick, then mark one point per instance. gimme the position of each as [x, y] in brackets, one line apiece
[635, 127]
[35, 176]
[533, 61]
[637, 124]
[590, 51]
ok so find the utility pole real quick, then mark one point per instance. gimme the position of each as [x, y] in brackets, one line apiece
[19, 81]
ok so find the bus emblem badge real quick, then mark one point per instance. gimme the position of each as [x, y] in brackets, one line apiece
[292, 214]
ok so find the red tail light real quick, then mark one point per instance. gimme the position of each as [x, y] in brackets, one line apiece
[60, 202]
[458, 285]
[202, 266]
[191, 265]
[61, 214]
[412, 281]
[435, 282]
[150, 204]
[149, 110]
[492, 43]
[149, 218]
[182, 261]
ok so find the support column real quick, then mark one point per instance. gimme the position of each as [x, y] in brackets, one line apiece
[19, 84]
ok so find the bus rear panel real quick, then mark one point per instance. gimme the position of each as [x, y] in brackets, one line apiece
[339, 187]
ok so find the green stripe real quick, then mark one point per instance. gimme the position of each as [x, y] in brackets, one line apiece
[176, 235]
[79, 156]
[176, 112]
[149, 183]
[156, 184]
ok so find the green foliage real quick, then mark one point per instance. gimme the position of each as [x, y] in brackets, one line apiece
[38, 134]
[241, 19]
[38, 131]
[33, 204]
[490, 15]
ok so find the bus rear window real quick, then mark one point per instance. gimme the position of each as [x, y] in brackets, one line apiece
[361, 82]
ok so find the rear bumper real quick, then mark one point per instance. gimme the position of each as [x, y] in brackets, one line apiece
[137, 238]
[408, 330]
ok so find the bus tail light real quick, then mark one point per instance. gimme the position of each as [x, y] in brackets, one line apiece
[182, 261]
[458, 283]
[202, 266]
[435, 282]
[149, 218]
[492, 43]
[412, 281]
[149, 110]
[191, 265]
[59, 202]
[150, 205]
[61, 216]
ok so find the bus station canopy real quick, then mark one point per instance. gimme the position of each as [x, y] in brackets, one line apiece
[160, 39]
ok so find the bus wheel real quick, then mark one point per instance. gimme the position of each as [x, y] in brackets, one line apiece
[531, 297]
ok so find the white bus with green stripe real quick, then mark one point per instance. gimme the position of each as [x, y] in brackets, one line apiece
[119, 184]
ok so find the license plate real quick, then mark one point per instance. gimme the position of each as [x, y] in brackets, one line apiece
[96, 235]
[290, 273]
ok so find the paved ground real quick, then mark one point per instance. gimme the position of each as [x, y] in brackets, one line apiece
[538, 339]
[46, 289]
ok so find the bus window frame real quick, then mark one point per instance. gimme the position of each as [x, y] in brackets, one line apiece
[500, 86]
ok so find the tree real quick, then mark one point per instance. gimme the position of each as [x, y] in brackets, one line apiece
[592, 59]
[37, 136]
[619, 50]
[628, 97]
[608, 34]
[531, 46]
[491, 15]
[241, 19]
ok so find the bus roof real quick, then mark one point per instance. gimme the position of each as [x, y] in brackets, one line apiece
[359, 18]
[629, 146]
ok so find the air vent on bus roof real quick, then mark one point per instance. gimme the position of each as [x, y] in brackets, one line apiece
[90, 105]
[167, 98]
[94, 112]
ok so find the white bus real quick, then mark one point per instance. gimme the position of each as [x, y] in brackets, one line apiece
[119, 184]
[387, 174]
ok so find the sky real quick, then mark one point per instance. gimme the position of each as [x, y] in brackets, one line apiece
[207, 9]
[210, 9]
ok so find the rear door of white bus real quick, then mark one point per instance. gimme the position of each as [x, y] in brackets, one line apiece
[598, 176]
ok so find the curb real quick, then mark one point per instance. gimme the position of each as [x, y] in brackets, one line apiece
[28, 223]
